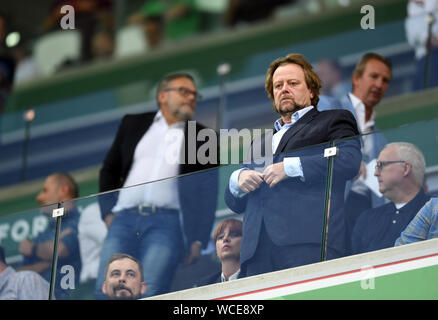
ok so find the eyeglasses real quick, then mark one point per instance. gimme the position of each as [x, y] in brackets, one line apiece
[185, 92]
[381, 164]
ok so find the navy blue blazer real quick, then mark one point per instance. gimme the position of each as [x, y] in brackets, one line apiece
[379, 141]
[293, 210]
[197, 192]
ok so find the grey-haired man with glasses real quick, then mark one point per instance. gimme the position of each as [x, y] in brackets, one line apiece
[400, 170]
[170, 218]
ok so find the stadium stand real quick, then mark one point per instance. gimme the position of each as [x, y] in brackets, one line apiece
[78, 110]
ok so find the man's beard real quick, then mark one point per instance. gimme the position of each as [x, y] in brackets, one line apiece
[124, 295]
[290, 109]
[181, 113]
[183, 116]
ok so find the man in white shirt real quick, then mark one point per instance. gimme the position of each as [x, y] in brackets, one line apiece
[156, 217]
[370, 80]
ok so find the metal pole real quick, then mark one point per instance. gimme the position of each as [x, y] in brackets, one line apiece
[58, 213]
[28, 118]
[222, 70]
[329, 153]
[25, 147]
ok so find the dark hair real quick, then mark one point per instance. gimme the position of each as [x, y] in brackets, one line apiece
[120, 256]
[164, 83]
[65, 178]
[360, 66]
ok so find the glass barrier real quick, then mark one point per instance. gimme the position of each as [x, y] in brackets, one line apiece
[27, 239]
[313, 215]
[398, 176]
[30, 147]
[174, 235]
[162, 237]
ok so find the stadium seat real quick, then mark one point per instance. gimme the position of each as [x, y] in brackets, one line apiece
[130, 40]
[54, 48]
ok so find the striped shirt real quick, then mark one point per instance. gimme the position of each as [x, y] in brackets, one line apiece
[22, 285]
[423, 227]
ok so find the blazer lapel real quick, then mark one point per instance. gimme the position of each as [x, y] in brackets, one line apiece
[297, 127]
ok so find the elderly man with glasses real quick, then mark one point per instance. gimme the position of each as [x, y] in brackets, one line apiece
[400, 170]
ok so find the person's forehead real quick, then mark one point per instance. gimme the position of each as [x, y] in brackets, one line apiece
[50, 181]
[289, 70]
[123, 264]
[229, 228]
[388, 152]
[374, 65]
[183, 81]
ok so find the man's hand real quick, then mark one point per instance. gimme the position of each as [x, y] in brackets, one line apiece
[250, 180]
[38, 267]
[195, 253]
[274, 173]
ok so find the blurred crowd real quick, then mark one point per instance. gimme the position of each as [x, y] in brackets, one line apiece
[98, 27]
[105, 29]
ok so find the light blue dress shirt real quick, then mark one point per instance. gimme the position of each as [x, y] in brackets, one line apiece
[423, 227]
[292, 165]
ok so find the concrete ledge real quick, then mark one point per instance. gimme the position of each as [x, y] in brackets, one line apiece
[248, 288]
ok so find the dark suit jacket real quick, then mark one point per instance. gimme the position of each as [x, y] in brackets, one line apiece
[293, 210]
[197, 192]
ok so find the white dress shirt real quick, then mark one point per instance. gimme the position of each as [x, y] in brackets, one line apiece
[365, 129]
[234, 276]
[156, 157]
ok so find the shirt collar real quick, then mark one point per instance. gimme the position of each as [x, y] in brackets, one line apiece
[359, 108]
[399, 205]
[420, 196]
[159, 118]
[234, 276]
[294, 118]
